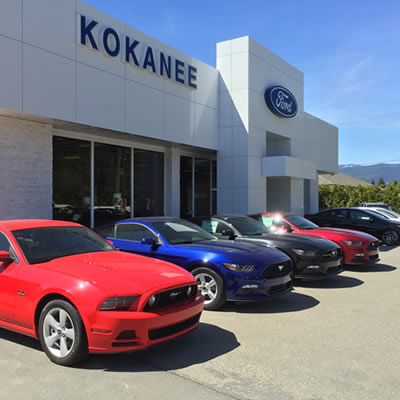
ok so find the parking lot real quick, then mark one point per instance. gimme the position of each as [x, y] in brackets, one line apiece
[332, 339]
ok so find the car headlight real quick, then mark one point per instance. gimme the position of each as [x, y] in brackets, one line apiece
[351, 243]
[117, 303]
[302, 252]
[240, 267]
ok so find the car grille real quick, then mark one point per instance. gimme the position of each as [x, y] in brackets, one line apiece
[170, 330]
[373, 245]
[171, 297]
[278, 269]
[333, 253]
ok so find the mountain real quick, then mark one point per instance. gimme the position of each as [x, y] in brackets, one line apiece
[388, 172]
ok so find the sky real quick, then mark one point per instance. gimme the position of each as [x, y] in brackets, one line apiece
[348, 51]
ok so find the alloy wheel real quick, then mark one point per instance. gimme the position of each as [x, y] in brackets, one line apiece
[59, 332]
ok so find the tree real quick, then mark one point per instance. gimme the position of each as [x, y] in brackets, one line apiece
[381, 182]
[331, 196]
[372, 181]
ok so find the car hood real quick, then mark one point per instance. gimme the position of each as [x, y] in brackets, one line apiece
[340, 234]
[293, 241]
[124, 272]
[232, 248]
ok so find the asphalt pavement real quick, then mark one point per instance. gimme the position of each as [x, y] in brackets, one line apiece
[332, 339]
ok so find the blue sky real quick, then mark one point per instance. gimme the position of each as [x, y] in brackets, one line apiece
[349, 51]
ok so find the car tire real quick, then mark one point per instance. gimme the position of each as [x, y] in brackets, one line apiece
[390, 237]
[62, 333]
[211, 286]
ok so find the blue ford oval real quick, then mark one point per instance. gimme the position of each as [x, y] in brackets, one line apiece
[225, 270]
[281, 101]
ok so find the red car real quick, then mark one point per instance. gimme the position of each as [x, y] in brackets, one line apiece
[357, 247]
[66, 286]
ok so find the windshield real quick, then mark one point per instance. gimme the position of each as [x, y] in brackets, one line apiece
[300, 222]
[45, 244]
[248, 226]
[182, 232]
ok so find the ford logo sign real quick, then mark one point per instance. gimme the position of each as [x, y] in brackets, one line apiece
[281, 102]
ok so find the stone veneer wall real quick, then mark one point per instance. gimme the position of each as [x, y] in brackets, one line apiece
[25, 169]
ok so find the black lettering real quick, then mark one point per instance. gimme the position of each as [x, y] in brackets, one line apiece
[86, 31]
[192, 78]
[180, 71]
[149, 60]
[107, 33]
[130, 50]
[165, 65]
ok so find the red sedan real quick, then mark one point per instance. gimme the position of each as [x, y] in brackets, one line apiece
[64, 285]
[357, 247]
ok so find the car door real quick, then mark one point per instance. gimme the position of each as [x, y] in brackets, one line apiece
[341, 218]
[8, 276]
[364, 222]
[128, 237]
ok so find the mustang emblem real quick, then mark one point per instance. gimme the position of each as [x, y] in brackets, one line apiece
[174, 294]
[280, 267]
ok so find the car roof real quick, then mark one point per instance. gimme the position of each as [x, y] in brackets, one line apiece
[148, 219]
[34, 223]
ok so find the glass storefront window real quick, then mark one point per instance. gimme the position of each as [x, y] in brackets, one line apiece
[202, 187]
[149, 183]
[186, 175]
[112, 183]
[214, 187]
[198, 185]
[71, 180]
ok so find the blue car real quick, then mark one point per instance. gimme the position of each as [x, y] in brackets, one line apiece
[224, 270]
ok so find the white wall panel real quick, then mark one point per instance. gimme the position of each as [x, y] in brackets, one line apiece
[50, 25]
[206, 127]
[207, 85]
[143, 110]
[178, 119]
[240, 71]
[48, 84]
[11, 74]
[11, 18]
[100, 98]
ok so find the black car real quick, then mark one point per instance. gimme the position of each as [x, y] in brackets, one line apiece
[367, 221]
[312, 257]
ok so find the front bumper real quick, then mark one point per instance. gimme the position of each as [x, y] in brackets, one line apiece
[257, 289]
[318, 268]
[120, 331]
[361, 255]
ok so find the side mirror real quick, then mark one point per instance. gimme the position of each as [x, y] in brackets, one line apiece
[286, 228]
[228, 232]
[149, 241]
[4, 256]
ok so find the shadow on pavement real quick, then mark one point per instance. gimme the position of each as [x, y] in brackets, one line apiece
[333, 282]
[370, 268]
[290, 302]
[20, 339]
[205, 343]
[385, 248]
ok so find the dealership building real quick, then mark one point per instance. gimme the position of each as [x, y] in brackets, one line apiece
[99, 121]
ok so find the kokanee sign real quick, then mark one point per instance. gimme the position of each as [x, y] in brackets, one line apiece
[135, 53]
[281, 102]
